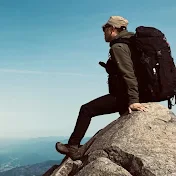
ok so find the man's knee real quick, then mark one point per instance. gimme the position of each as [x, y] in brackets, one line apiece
[86, 110]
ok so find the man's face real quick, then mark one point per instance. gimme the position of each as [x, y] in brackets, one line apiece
[109, 32]
[107, 29]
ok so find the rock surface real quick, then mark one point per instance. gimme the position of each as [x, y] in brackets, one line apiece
[137, 144]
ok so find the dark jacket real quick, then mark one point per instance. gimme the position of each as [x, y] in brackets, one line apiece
[122, 80]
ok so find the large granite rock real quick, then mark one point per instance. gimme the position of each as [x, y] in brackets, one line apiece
[137, 144]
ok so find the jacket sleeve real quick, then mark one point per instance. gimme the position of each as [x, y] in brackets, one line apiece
[122, 55]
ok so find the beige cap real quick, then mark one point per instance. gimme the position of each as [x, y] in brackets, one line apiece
[117, 21]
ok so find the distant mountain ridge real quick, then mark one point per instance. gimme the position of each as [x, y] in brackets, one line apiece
[23, 152]
[31, 170]
[26, 152]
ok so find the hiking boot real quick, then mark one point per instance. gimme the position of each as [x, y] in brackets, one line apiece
[70, 150]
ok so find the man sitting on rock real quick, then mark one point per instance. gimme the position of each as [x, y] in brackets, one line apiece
[123, 94]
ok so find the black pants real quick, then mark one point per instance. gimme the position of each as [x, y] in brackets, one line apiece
[106, 104]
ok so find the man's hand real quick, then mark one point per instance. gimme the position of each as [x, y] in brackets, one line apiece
[137, 107]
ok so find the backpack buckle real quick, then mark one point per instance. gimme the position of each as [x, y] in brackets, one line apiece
[159, 54]
[170, 101]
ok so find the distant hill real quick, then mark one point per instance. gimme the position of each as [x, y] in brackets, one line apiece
[16, 153]
[31, 170]
[27, 152]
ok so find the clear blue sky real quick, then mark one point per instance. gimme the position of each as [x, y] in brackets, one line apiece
[49, 54]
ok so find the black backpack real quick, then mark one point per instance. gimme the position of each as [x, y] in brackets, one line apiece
[153, 64]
